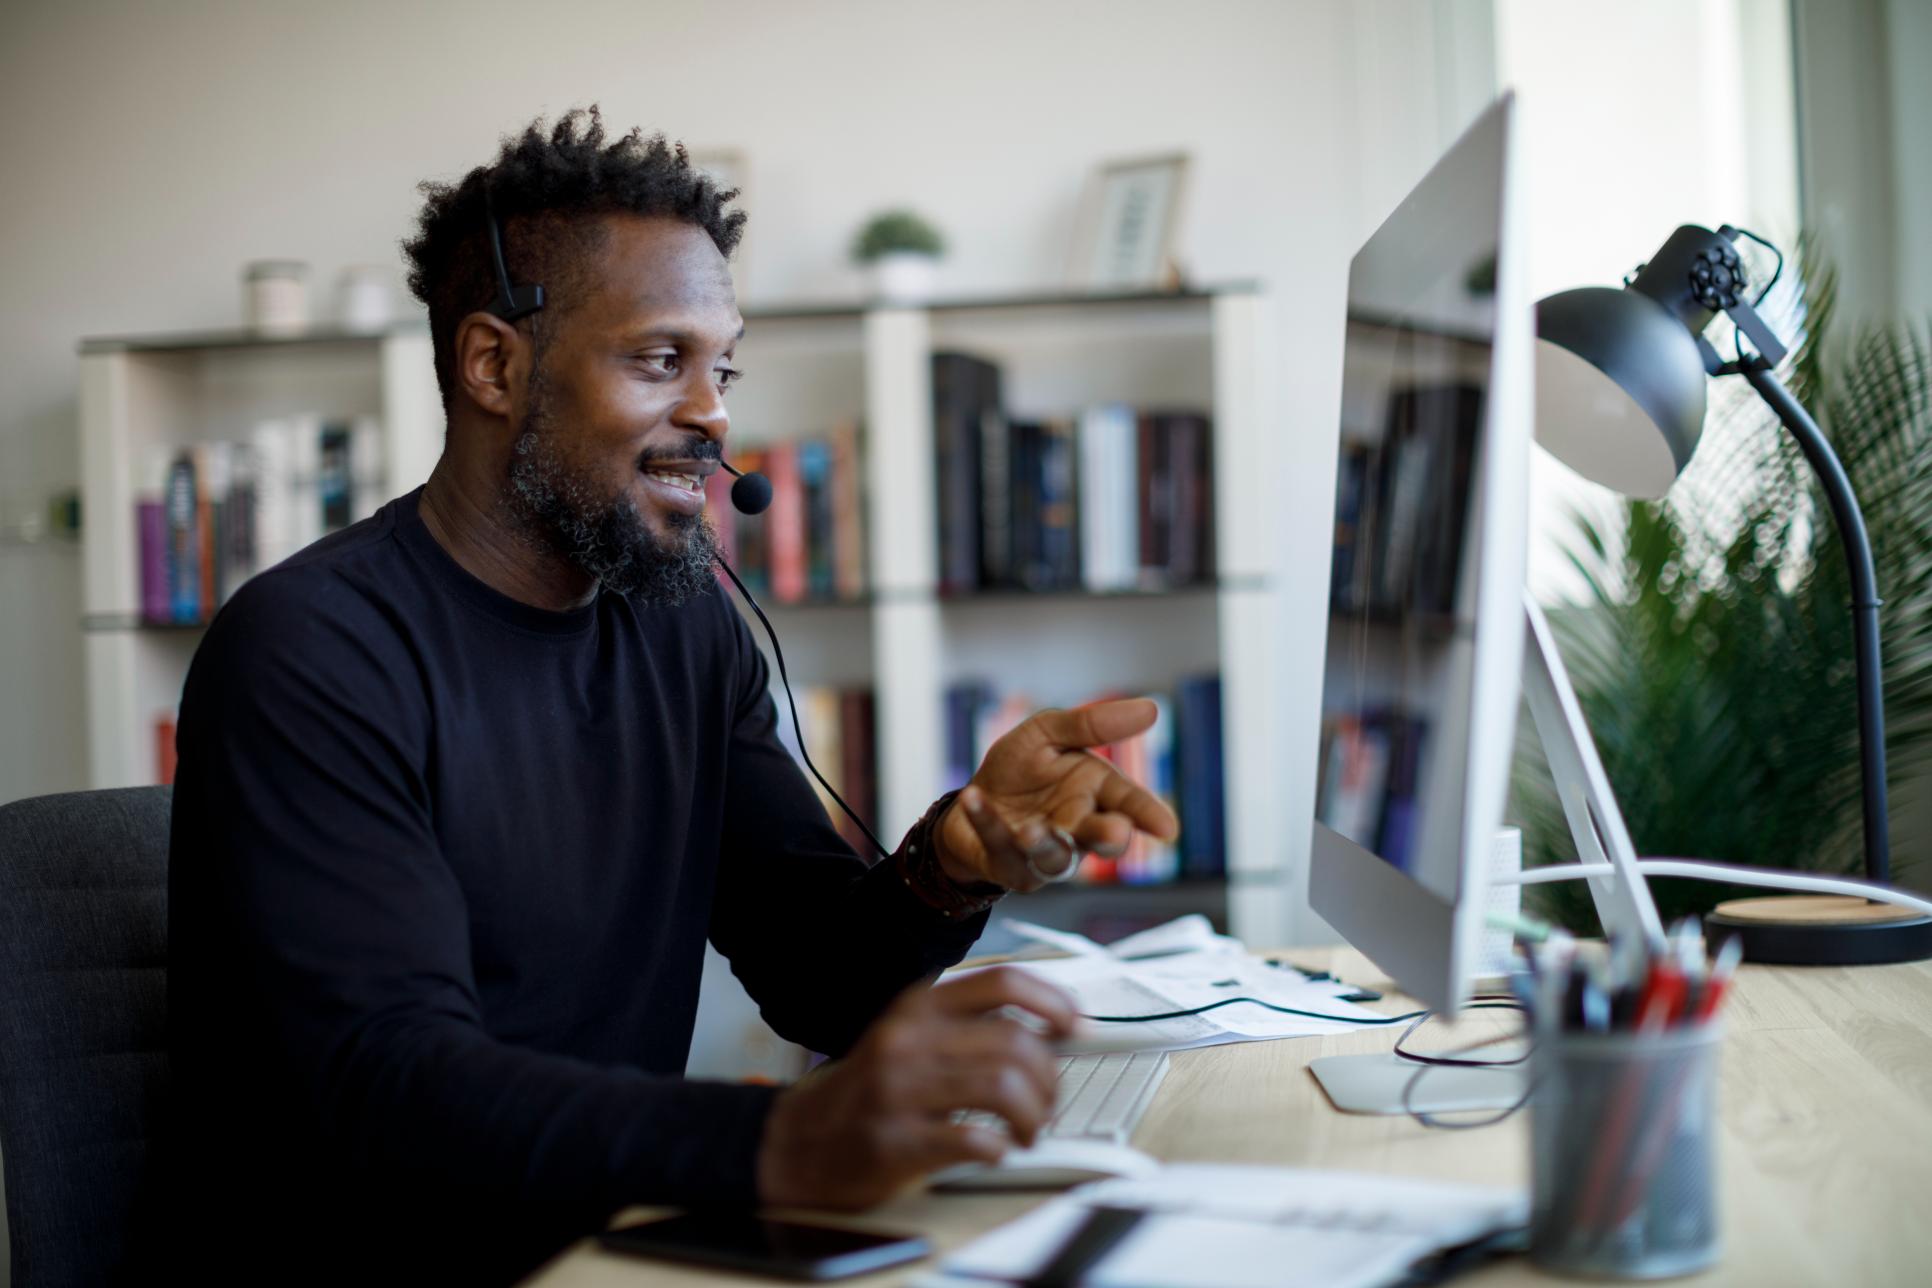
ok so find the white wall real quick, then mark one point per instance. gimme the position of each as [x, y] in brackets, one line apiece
[1639, 117]
[1866, 117]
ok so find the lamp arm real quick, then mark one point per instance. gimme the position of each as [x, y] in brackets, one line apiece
[1865, 602]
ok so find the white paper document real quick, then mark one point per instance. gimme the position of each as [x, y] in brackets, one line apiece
[1183, 966]
[1216, 1226]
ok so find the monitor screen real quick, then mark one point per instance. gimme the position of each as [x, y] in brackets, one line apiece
[1396, 702]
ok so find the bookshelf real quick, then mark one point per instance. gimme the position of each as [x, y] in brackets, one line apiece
[141, 394]
[810, 368]
[910, 639]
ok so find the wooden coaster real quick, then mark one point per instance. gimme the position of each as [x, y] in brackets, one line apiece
[1813, 910]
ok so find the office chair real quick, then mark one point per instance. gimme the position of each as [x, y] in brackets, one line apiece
[83, 1019]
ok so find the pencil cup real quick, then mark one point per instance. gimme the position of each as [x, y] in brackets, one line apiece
[1623, 1168]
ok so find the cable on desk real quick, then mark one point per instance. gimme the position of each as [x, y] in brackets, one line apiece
[1416, 1019]
[1483, 1004]
[1457, 1060]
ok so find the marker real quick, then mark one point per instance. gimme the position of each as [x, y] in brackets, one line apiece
[1663, 997]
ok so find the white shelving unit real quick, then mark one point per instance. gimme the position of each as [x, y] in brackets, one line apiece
[1206, 350]
[142, 393]
[811, 368]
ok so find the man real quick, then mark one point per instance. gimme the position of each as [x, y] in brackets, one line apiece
[464, 789]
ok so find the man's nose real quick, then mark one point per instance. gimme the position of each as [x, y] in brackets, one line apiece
[703, 410]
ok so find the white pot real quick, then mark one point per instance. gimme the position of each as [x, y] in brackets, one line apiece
[903, 276]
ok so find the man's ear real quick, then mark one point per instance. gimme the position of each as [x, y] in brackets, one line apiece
[492, 363]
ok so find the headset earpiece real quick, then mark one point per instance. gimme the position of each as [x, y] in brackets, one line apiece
[512, 302]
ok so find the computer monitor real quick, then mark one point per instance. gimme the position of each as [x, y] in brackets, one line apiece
[1423, 673]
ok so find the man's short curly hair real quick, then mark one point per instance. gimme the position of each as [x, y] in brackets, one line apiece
[548, 189]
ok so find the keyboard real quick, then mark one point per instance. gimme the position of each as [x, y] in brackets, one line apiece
[1098, 1097]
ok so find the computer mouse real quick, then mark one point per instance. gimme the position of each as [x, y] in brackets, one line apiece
[1053, 1163]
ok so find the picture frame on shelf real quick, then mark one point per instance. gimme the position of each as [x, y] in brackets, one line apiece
[1130, 224]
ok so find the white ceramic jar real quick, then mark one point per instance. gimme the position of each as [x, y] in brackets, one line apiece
[276, 295]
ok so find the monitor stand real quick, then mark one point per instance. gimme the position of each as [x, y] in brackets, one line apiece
[1377, 1084]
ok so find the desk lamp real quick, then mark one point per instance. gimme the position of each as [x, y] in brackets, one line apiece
[1620, 393]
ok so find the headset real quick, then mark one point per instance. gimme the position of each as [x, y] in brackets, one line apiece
[750, 494]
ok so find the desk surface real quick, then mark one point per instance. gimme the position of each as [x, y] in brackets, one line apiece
[1826, 1151]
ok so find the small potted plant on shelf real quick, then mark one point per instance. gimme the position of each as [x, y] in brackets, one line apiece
[901, 249]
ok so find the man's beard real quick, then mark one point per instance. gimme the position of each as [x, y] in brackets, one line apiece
[559, 503]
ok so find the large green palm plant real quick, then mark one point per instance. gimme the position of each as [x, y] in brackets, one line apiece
[1713, 658]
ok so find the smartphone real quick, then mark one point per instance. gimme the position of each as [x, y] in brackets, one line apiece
[743, 1240]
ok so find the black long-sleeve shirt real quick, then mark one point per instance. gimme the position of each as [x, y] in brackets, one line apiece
[441, 873]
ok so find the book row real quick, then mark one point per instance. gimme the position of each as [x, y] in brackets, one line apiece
[1399, 520]
[839, 734]
[810, 542]
[212, 515]
[1114, 498]
[1370, 778]
[1179, 759]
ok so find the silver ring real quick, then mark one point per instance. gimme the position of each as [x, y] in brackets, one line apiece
[1067, 843]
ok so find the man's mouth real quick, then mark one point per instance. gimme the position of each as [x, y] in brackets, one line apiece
[678, 485]
[689, 482]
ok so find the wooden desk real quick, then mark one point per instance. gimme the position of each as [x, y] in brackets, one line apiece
[1825, 1153]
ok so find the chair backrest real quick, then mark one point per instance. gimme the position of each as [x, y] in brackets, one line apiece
[83, 1020]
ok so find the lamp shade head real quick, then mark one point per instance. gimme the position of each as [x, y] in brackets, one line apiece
[1619, 388]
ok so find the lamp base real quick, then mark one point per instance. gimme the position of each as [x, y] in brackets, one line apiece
[1822, 930]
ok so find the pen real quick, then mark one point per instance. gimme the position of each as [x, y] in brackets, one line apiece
[1662, 1000]
[1552, 973]
[1595, 1001]
[1723, 966]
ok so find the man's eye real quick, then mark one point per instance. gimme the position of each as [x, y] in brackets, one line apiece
[728, 376]
[663, 364]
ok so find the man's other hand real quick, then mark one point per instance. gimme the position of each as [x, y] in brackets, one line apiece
[857, 1131]
[1041, 798]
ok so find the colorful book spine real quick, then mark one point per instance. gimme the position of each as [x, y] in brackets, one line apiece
[858, 768]
[1156, 862]
[1351, 482]
[1355, 778]
[151, 534]
[751, 532]
[1186, 442]
[335, 478]
[1029, 570]
[815, 489]
[151, 520]
[1395, 840]
[785, 524]
[1058, 565]
[966, 702]
[183, 543]
[1199, 777]
[964, 389]
[995, 496]
[819, 708]
[848, 513]
[1155, 500]
[1109, 510]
